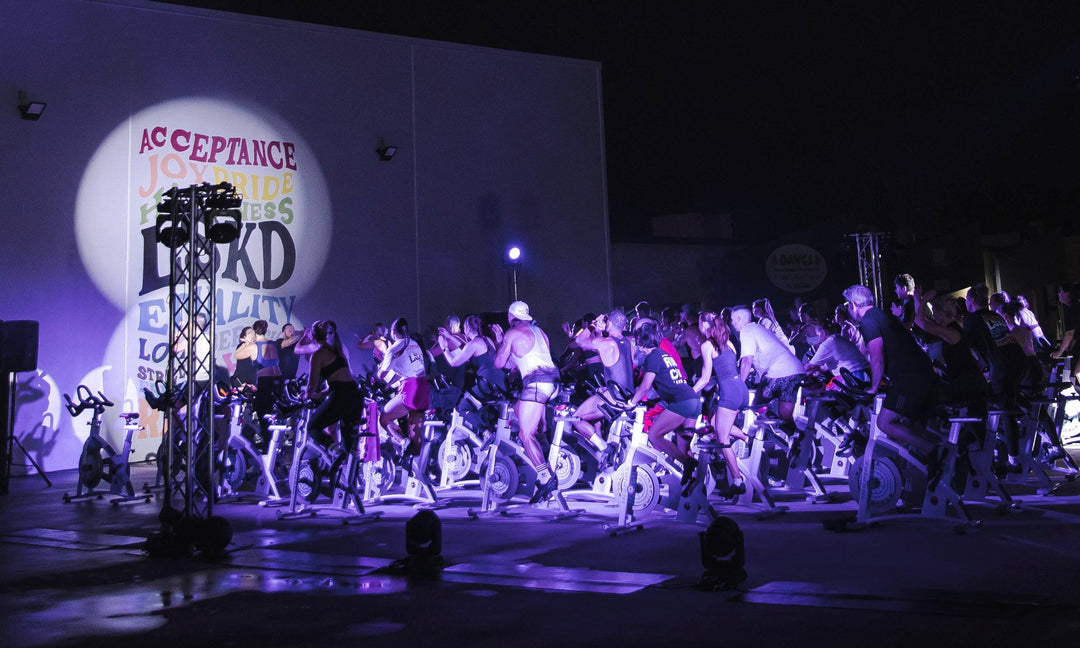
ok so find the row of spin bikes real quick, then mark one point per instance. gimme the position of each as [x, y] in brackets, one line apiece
[471, 453]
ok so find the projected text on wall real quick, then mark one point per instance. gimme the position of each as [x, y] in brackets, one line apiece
[262, 275]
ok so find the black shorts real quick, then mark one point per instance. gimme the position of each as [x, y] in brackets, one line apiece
[912, 397]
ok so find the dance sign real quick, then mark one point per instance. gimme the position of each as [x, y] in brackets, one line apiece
[795, 268]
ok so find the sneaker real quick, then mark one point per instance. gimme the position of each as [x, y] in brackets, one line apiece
[544, 491]
[607, 456]
[731, 491]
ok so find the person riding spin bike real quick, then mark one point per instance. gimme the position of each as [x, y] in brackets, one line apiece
[718, 358]
[343, 402]
[478, 351]
[682, 404]
[773, 360]
[405, 364]
[530, 351]
[616, 356]
[896, 354]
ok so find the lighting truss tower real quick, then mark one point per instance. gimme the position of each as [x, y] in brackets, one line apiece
[868, 249]
[190, 222]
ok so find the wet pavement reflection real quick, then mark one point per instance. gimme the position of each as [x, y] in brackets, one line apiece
[48, 616]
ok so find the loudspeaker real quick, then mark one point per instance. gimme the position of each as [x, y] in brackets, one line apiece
[18, 345]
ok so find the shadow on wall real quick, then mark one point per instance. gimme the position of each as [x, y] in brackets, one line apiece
[32, 406]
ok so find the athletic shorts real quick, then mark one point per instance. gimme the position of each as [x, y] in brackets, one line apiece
[689, 408]
[912, 397]
[538, 392]
[731, 394]
[786, 388]
[539, 386]
[416, 393]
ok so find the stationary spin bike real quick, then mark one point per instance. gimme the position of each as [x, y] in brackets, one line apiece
[99, 460]
[240, 460]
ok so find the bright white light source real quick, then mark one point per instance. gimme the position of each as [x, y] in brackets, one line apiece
[513, 253]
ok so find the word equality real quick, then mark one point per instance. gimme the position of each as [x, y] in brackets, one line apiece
[237, 305]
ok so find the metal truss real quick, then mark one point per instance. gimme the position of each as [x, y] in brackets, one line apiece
[190, 222]
[868, 249]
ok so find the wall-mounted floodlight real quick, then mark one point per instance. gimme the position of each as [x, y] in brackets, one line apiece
[30, 110]
[386, 153]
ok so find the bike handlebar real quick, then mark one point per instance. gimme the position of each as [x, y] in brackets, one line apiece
[87, 400]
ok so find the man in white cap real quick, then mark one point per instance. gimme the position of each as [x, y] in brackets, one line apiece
[530, 351]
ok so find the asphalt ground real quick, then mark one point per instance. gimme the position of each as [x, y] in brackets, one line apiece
[75, 574]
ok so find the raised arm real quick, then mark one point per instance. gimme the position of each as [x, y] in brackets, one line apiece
[461, 355]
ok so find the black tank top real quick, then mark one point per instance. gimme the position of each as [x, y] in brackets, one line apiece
[484, 365]
[246, 371]
[622, 372]
[338, 362]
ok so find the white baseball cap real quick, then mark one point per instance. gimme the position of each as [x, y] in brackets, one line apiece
[519, 310]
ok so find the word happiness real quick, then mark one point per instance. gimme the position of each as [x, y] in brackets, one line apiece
[200, 147]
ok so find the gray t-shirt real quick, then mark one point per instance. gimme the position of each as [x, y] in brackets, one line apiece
[836, 352]
[772, 359]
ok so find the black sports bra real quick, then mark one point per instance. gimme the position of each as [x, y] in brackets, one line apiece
[328, 370]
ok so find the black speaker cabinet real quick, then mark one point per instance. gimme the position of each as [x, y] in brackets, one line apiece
[18, 345]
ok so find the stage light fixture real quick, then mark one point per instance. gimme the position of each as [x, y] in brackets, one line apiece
[173, 226]
[223, 215]
[30, 110]
[224, 225]
[172, 230]
[513, 258]
[723, 555]
[386, 153]
[423, 544]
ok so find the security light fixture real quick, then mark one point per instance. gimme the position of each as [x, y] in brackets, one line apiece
[30, 110]
[386, 153]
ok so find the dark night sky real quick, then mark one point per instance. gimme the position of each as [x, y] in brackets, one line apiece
[883, 113]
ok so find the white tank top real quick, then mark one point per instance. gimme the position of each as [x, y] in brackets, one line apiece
[539, 357]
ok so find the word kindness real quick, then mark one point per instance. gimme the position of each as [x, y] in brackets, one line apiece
[201, 147]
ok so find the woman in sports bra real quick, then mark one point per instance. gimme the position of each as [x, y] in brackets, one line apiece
[343, 402]
[477, 351]
[405, 365]
[266, 352]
